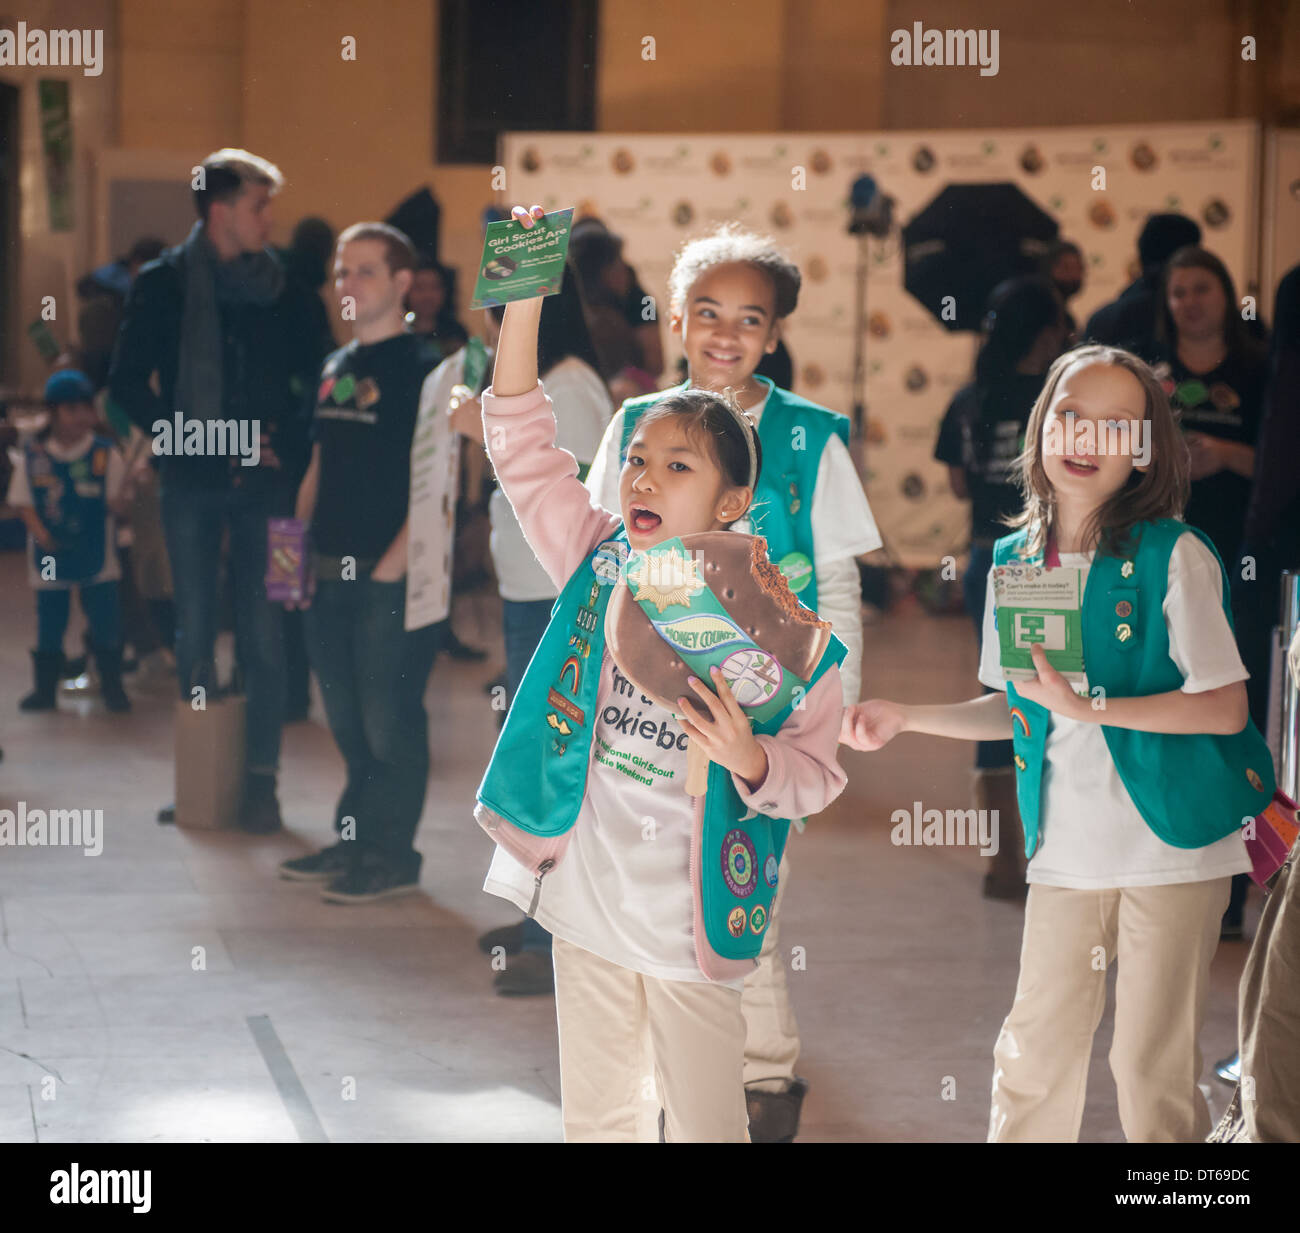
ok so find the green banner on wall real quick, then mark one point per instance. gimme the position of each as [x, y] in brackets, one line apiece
[56, 141]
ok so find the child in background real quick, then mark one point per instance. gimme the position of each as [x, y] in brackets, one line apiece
[634, 953]
[1132, 795]
[567, 362]
[68, 492]
[729, 292]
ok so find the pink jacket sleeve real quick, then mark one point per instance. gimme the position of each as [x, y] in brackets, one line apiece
[803, 776]
[559, 519]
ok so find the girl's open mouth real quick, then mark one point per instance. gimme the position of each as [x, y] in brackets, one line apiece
[644, 520]
[1079, 466]
[725, 358]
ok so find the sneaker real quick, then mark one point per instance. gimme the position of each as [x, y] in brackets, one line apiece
[774, 1116]
[369, 881]
[323, 866]
[529, 974]
[509, 937]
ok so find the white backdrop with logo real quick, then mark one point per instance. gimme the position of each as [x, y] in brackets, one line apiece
[659, 190]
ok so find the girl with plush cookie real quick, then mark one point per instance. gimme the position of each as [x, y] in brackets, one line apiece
[729, 294]
[658, 901]
[1133, 793]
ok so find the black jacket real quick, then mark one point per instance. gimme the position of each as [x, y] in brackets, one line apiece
[271, 354]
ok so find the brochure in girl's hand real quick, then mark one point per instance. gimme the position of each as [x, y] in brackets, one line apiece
[1037, 604]
[521, 262]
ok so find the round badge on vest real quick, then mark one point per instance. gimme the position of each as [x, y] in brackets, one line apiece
[738, 858]
[736, 922]
[798, 570]
[758, 919]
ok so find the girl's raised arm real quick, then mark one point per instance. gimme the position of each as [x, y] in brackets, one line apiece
[540, 480]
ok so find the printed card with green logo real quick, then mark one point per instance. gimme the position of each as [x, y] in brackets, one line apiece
[520, 263]
[1039, 605]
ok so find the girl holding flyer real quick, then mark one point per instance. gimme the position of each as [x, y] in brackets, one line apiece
[647, 936]
[1133, 794]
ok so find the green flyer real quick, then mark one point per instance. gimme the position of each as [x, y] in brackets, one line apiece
[521, 262]
[1037, 604]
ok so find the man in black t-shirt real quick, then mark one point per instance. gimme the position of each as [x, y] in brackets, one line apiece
[372, 670]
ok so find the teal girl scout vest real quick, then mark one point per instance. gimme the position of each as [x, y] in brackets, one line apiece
[1192, 790]
[537, 777]
[71, 499]
[782, 508]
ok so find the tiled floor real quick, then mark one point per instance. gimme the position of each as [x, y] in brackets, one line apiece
[128, 980]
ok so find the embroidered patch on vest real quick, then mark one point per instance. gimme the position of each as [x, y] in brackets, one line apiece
[738, 857]
[1255, 781]
[758, 919]
[1123, 608]
[1021, 764]
[1017, 715]
[736, 922]
[1126, 570]
[1123, 631]
[770, 868]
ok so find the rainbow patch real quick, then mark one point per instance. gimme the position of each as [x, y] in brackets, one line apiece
[1018, 714]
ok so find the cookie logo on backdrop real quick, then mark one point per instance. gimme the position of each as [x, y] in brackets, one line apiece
[1216, 213]
[1143, 157]
[1031, 160]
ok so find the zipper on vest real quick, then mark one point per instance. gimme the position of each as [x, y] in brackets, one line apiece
[542, 870]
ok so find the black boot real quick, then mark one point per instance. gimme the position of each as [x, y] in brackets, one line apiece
[259, 813]
[46, 668]
[109, 661]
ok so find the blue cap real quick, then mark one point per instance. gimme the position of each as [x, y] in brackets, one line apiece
[69, 385]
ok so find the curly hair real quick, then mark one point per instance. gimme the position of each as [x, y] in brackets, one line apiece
[731, 244]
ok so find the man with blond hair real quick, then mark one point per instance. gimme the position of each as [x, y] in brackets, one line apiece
[233, 345]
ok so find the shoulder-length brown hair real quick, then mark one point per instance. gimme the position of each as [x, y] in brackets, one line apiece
[1160, 491]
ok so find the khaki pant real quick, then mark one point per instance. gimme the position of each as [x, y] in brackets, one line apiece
[696, 1034]
[771, 1033]
[1163, 938]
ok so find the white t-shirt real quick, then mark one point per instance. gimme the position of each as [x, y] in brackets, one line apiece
[582, 409]
[843, 528]
[1091, 835]
[20, 493]
[622, 889]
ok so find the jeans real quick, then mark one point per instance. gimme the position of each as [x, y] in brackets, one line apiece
[524, 623]
[98, 602]
[193, 521]
[372, 676]
[989, 755]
